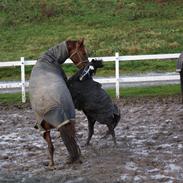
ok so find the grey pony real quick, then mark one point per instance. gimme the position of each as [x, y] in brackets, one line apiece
[49, 96]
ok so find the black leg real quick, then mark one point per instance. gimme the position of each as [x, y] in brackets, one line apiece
[91, 124]
[112, 132]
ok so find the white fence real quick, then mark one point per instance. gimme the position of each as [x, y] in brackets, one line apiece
[117, 58]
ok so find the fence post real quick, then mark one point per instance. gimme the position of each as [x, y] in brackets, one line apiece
[23, 79]
[117, 74]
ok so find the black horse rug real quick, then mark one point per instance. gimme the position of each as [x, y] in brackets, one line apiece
[91, 98]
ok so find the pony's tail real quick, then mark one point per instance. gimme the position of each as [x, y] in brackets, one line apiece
[67, 132]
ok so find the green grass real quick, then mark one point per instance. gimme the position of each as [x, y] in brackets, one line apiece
[128, 26]
[29, 27]
[164, 90]
[14, 98]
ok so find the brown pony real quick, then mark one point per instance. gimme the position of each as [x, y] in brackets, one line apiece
[47, 85]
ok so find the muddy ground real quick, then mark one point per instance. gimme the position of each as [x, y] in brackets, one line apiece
[149, 137]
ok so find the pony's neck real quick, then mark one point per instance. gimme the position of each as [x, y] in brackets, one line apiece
[57, 54]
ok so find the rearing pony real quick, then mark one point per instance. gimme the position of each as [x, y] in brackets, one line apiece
[50, 98]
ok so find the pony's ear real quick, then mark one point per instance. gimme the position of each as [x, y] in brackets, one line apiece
[81, 42]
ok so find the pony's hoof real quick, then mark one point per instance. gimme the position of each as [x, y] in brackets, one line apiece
[71, 161]
[49, 165]
[52, 167]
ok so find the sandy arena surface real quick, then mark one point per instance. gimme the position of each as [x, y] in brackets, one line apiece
[149, 137]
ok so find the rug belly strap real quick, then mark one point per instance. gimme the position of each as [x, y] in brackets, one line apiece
[58, 117]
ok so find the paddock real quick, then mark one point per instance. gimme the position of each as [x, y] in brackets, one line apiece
[149, 137]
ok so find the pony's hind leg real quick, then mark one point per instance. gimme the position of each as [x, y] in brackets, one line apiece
[47, 138]
[112, 132]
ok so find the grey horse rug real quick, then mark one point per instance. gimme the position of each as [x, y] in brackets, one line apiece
[49, 96]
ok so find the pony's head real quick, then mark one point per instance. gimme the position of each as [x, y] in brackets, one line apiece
[77, 53]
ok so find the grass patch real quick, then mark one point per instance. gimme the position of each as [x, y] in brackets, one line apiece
[164, 90]
[126, 26]
[14, 98]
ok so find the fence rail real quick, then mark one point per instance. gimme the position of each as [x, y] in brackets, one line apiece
[117, 79]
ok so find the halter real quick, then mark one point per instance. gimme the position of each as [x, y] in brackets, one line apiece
[80, 62]
[86, 72]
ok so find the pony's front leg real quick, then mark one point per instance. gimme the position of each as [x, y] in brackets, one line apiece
[47, 138]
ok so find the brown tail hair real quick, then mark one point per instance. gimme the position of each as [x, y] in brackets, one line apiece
[68, 136]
